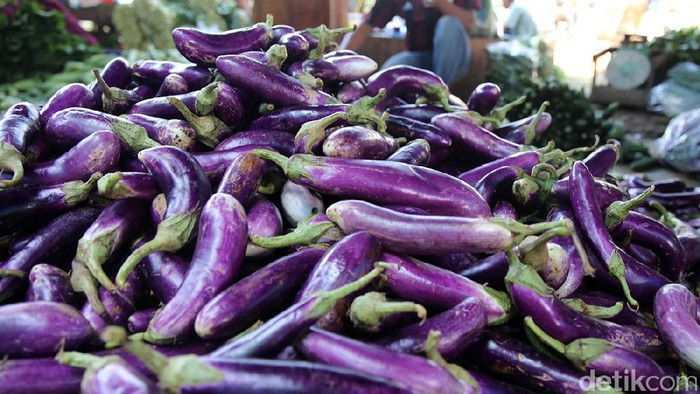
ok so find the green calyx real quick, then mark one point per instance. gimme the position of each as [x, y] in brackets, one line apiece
[314, 130]
[459, 373]
[276, 55]
[206, 99]
[208, 128]
[111, 97]
[364, 112]
[110, 187]
[602, 312]
[617, 212]
[616, 266]
[76, 192]
[11, 160]
[19, 274]
[440, 94]
[309, 80]
[171, 235]
[93, 252]
[82, 281]
[525, 275]
[265, 108]
[325, 36]
[501, 112]
[134, 136]
[305, 233]
[368, 310]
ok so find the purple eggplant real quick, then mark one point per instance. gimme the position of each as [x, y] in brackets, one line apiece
[602, 160]
[155, 71]
[506, 210]
[173, 132]
[298, 203]
[280, 141]
[215, 163]
[474, 139]
[220, 248]
[349, 92]
[108, 374]
[49, 283]
[487, 270]
[353, 67]
[405, 80]
[39, 150]
[116, 73]
[62, 232]
[138, 321]
[71, 95]
[317, 68]
[268, 84]
[264, 220]
[128, 185]
[243, 178]
[280, 30]
[673, 185]
[41, 328]
[210, 130]
[99, 152]
[358, 142]
[420, 112]
[229, 105]
[636, 280]
[420, 234]
[409, 371]
[39, 375]
[118, 101]
[203, 48]
[429, 285]
[273, 335]
[400, 126]
[525, 160]
[606, 193]
[186, 187]
[416, 152]
[297, 46]
[577, 268]
[484, 98]
[164, 273]
[114, 306]
[160, 107]
[687, 235]
[67, 127]
[18, 127]
[383, 182]
[675, 309]
[172, 85]
[459, 327]
[292, 118]
[625, 316]
[524, 130]
[345, 262]
[256, 296]
[497, 184]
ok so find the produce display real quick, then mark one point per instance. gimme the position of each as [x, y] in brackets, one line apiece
[274, 215]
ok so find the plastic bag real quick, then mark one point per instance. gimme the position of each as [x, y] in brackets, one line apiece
[672, 99]
[679, 147]
[686, 74]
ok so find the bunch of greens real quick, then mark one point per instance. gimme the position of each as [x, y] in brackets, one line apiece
[144, 24]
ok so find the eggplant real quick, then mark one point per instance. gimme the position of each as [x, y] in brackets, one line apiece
[256, 296]
[155, 72]
[18, 127]
[420, 112]
[40, 149]
[524, 160]
[474, 139]
[108, 374]
[416, 152]
[353, 67]
[383, 182]
[673, 185]
[409, 371]
[71, 95]
[273, 335]
[128, 185]
[404, 80]
[264, 220]
[62, 232]
[186, 187]
[203, 48]
[172, 85]
[114, 306]
[524, 130]
[498, 184]
[117, 101]
[173, 132]
[317, 68]
[675, 311]
[50, 283]
[296, 44]
[505, 210]
[358, 142]
[160, 107]
[600, 299]
[268, 84]
[606, 193]
[603, 159]
[222, 235]
[210, 130]
[577, 268]
[99, 152]
[280, 30]
[433, 286]
[280, 141]
[459, 326]
[349, 92]
[243, 178]
[39, 375]
[67, 127]
[164, 273]
[116, 73]
[215, 163]
[373, 312]
[345, 262]
[292, 118]
[40, 328]
[484, 98]
[138, 321]
[401, 126]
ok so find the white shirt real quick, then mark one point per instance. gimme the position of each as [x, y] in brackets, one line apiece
[520, 22]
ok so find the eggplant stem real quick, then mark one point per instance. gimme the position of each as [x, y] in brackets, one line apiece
[616, 266]
[439, 94]
[555, 344]
[277, 158]
[314, 130]
[617, 212]
[530, 132]
[432, 352]
[594, 310]
[276, 55]
[265, 108]
[206, 99]
[134, 136]
[206, 127]
[94, 252]
[501, 112]
[19, 274]
[369, 309]
[82, 281]
[78, 191]
[12, 160]
[78, 359]
[106, 89]
[364, 111]
[304, 234]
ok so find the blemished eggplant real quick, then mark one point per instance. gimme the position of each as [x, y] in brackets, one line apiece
[256, 296]
[175, 132]
[276, 333]
[383, 182]
[416, 152]
[484, 98]
[172, 85]
[128, 185]
[243, 178]
[433, 286]
[348, 260]
[403, 80]
[215, 163]
[264, 220]
[223, 232]
[459, 326]
[71, 95]
[359, 142]
[675, 311]
[99, 152]
[155, 71]
[186, 187]
[50, 283]
[62, 232]
[353, 67]
[39, 328]
[18, 127]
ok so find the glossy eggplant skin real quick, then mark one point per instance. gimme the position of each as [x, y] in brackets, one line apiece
[39, 375]
[281, 141]
[416, 152]
[675, 310]
[401, 126]
[474, 139]
[220, 249]
[116, 375]
[353, 67]
[358, 142]
[18, 127]
[243, 178]
[484, 98]
[116, 73]
[155, 71]
[38, 328]
[132, 185]
[71, 95]
[420, 112]
[50, 283]
[215, 163]
[404, 80]
[67, 127]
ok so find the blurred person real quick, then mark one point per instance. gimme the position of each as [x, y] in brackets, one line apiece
[437, 34]
[519, 23]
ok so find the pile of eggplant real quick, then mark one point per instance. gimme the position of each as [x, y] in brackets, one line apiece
[277, 216]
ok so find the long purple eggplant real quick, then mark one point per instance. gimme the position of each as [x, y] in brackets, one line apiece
[281, 141]
[606, 193]
[71, 95]
[50, 283]
[420, 112]
[400, 126]
[175, 132]
[215, 163]
[220, 248]
[243, 178]
[138, 321]
[405, 80]
[298, 202]
[186, 188]
[67, 127]
[62, 232]
[114, 306]
[459, 326]
[353, 67]
[172, 84]
[416, 152]
[256, 296]
[577, 267]
[268, 84]
[128, 185]
[210, 129]
[160, 107]
[273, 335]
[291, 118]
[359, 142]
[525, 160]
[383, 182]
[264, 220]
[429, 285]
[345, 262]
[498, 184]
[117, 101]
[39, 375]
[18, 127]
[675, 311]
[474, 139]
[41, 328]
[108, 374]
[349, 92]
[99, 152]
[155, 71]
[596, 298]
[116, 73]
[602, 160]
[317, 68]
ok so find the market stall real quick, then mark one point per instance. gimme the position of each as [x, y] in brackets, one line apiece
[255, 209]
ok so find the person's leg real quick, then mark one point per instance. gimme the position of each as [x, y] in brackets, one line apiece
[410, 58]
[451, 49]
